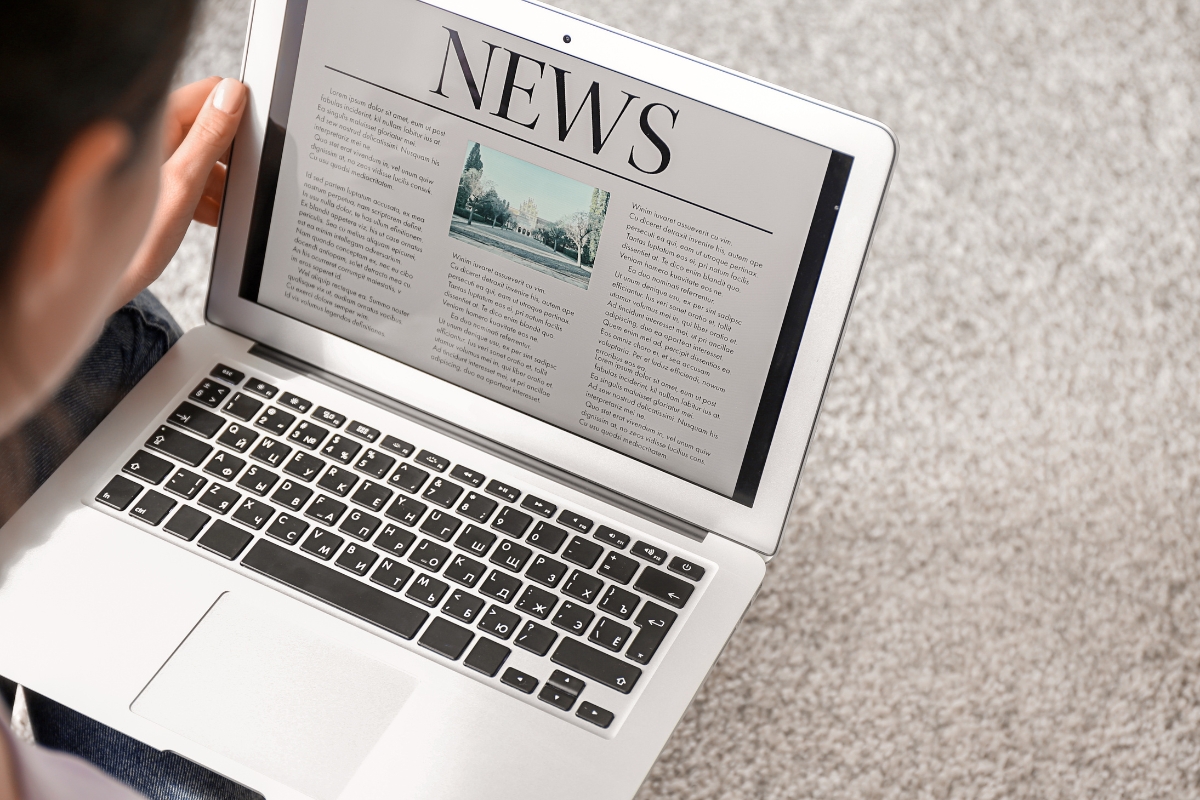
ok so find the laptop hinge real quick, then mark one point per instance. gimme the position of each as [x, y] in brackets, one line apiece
[490, 446]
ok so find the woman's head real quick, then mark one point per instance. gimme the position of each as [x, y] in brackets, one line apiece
[82, 84]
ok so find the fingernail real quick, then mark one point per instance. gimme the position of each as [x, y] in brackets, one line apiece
[228, 96]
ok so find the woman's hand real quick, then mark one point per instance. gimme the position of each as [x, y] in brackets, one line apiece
[199, 124]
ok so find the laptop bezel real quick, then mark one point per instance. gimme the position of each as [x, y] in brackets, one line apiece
[869, 143]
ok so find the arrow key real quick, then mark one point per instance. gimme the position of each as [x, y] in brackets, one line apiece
[594, 714]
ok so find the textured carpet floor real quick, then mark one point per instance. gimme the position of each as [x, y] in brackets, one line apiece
[990, 584]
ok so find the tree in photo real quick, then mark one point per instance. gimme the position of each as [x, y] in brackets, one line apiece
[578, 229]
[472, 188]
[597, 211]
[492, 205]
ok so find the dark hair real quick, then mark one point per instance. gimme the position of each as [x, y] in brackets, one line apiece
[65, 64]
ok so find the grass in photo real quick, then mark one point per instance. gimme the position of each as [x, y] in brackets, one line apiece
[528, 214]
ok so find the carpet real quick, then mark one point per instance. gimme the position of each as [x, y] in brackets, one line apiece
[989, 582]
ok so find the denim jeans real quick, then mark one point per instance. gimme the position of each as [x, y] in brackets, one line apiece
[132, 342]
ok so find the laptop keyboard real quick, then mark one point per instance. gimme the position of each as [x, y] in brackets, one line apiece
[466, 565]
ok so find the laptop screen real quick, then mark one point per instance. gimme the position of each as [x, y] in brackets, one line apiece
[592, 250]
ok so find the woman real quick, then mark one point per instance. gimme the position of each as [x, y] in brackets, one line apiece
[100, 174]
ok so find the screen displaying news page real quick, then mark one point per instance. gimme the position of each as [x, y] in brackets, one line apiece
[594, 251]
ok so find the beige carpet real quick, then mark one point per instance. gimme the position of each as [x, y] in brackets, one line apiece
[989, 586]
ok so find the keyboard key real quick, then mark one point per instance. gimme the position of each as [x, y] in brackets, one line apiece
[546, 571]
[575, 521]
[224, 466]
[567, 682]
[503, 491]
[440, 525]
[547, 537]
[325, 509]
[499, 622]
[397, 446]
[446, 639]
[610, 634]
[210, 393]
[362, 431]
[275, 421]
[477, 507]
[408, 478]
[687, 569]
[537, 602]
[341, 449]
[360, 525]
[375, 464]
[287, 528]
[197, 420]
[391, 575]
[185, 484]
[406, 510]
[573, 618]
[292, 495]
[258, 480]
[512, 522]
[475, 540]
[432, 460]
[430, 555]
[292, 401]
[225, 540]
[395, 540]
[238, 437]
[500, 586]
[179, 446]
[261, 388]
[186, 523]
[582, 552]
[596, 665]
[654, 621]
[468, 476]
[442, 492]
[228, 374]
[427, 591]
[582, 586]
[594, 714]
[219, 498]
[270, 452]
[519, 680]
[619, 602]
[535, 638]
[487, 657]
[557, 697]
[243, 406]
[618, 568]
[149, 468]
[372, 495]
[538, 506]
[253, 513]
[511, 556]
[321, 543]
[309, 435]
[336, 588]
[337, 480]
[304, 466]
[329, 417]
[613, 537]
[463, 605]
[649, 552]
[357, 559]
[152, 507]
[466, 571]
[664, 587]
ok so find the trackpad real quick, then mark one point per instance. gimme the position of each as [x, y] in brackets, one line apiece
[257, 688]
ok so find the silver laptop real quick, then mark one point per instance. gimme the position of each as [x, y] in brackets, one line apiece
[517, 335]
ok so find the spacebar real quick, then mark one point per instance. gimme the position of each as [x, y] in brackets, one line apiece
[390, 613]
[591, 663]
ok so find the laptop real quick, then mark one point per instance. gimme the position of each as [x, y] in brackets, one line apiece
[516, 338]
